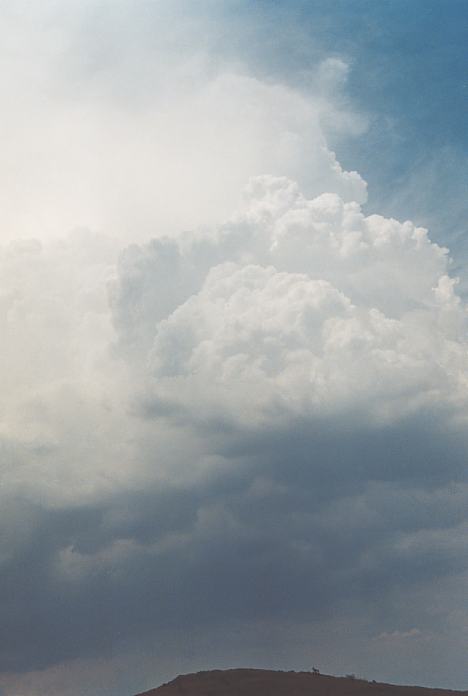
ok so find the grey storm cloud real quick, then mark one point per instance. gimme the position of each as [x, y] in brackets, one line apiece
[254, 428]
[286, 398]
[277, 535]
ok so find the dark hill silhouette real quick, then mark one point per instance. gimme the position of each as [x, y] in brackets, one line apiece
[260, 682]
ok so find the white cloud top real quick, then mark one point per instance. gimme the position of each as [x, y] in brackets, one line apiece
[296, 307]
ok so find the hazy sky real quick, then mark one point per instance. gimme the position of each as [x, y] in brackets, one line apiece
[234, 375]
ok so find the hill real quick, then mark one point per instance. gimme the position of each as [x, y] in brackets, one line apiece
[259, 682]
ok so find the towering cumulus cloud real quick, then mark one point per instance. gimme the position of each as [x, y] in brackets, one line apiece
[242, 443]
[296, 308]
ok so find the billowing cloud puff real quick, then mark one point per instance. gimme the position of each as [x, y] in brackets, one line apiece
[296, 307]
[218, 438]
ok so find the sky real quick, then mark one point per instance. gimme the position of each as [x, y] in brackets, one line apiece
[234, 368]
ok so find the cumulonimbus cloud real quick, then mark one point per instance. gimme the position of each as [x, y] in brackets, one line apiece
[256, 419]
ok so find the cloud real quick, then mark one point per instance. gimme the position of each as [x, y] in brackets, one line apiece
[137, 136]
[251, 429]
[272, 427]
[318, 357]
[297, 307]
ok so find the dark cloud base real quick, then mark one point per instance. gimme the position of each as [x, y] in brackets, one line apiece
[299, 524]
